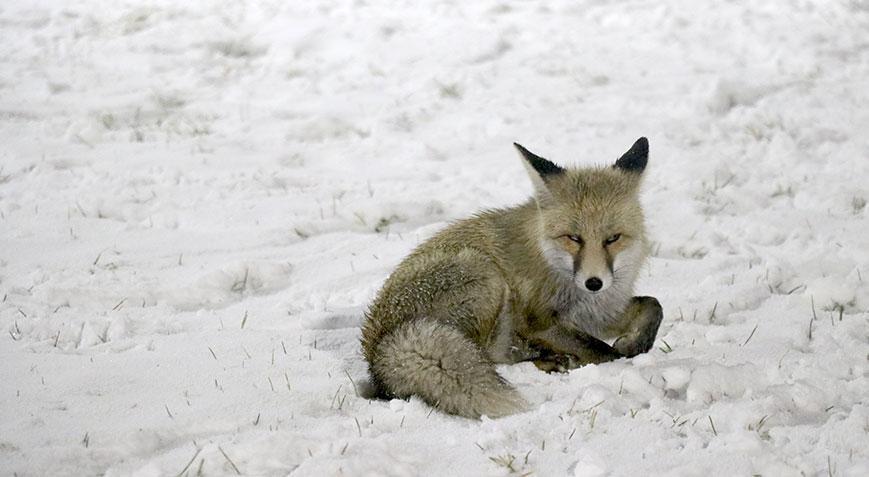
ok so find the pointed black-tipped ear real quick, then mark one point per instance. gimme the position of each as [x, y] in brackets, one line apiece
[540, 171]
[636, 158]
[543, 167]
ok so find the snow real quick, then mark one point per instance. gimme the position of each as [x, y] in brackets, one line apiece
[199, 199]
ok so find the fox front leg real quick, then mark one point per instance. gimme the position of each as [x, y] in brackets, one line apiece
[643, 317]
[562, 349]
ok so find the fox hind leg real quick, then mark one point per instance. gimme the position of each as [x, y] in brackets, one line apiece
[644, 315]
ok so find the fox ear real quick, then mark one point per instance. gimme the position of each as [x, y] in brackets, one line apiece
[636, 158]
[539, 169]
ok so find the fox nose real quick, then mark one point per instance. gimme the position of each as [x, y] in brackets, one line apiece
[594, 284]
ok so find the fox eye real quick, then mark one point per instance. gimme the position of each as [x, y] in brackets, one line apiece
[612, 239]
[575, 238]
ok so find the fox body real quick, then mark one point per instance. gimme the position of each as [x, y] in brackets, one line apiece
[546, 281]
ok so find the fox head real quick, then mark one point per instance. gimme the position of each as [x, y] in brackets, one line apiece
[590, 222]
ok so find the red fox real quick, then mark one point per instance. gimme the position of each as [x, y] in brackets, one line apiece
[545, 281]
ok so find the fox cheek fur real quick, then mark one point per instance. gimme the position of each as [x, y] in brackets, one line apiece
[581, 267]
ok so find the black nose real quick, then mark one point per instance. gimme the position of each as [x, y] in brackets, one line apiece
[593, 284]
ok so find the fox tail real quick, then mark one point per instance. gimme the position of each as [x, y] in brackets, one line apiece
[438, 363]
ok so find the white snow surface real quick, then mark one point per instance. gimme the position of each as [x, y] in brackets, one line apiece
[199, 199]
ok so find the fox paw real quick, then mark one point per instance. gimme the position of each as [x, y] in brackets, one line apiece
[645, 315]
[555, 363]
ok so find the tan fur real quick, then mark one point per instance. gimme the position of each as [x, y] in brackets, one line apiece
[500, 287]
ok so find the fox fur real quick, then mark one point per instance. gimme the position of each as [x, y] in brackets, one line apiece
[547, 281]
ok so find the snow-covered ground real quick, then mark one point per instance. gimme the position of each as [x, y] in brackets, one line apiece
[198, 200]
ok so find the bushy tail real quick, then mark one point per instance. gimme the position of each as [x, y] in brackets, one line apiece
[443, 367]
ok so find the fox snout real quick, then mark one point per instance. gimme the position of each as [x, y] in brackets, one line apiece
[592, 268]
[592, 276]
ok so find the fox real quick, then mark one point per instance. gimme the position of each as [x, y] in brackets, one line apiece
[548, 281]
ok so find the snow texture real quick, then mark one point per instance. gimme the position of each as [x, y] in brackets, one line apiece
[199, 199]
